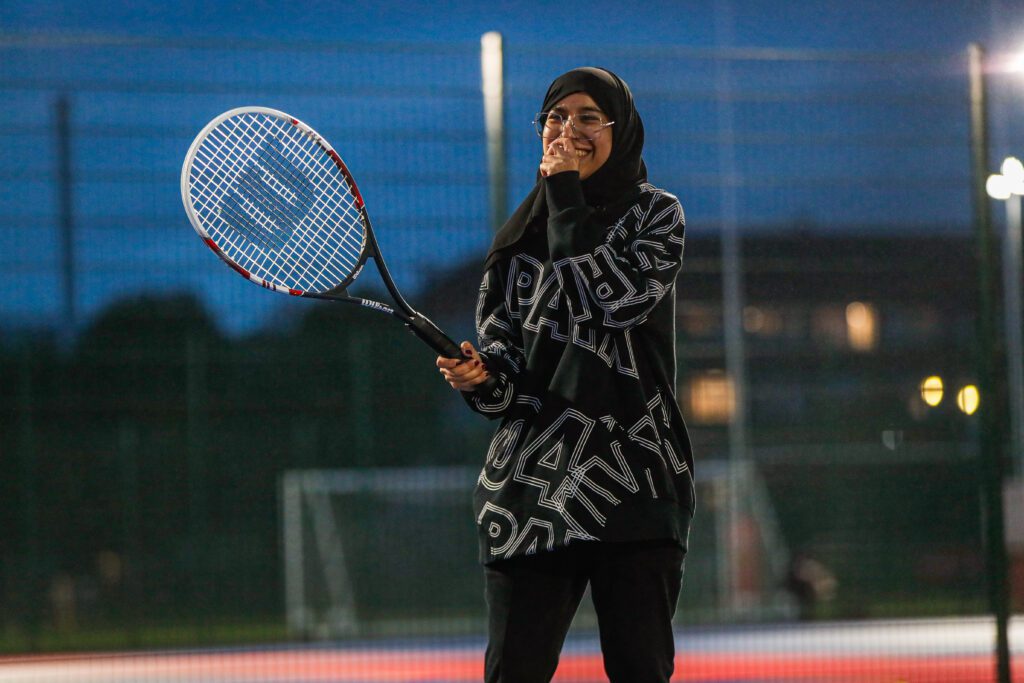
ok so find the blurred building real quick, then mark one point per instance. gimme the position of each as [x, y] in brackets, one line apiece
[839, 333]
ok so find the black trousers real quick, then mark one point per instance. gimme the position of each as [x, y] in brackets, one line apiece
[531, 602]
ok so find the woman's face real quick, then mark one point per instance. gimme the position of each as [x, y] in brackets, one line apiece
[592, 154]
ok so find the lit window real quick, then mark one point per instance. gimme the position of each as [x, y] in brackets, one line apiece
[968, 399]
[764, 322]
[712, 398]
[932, 390]
[698, 320]
[862, 326]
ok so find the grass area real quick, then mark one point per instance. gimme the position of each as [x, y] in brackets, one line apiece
[222, 632]
[105, 638]
[898, 607]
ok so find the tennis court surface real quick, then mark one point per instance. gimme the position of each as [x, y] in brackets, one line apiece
[934, 651]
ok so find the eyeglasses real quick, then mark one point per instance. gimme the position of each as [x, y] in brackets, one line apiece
[586, 126]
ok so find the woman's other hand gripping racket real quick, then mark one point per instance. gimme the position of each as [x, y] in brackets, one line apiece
[465, 374]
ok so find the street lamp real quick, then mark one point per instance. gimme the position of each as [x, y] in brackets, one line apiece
[1008, 186]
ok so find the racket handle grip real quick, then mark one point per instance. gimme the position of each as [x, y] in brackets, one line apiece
[431, 334]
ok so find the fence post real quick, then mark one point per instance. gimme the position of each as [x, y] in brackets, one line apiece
[493, 85]
[33, 580]
[65, 206]
[992, 407]
[733, 296]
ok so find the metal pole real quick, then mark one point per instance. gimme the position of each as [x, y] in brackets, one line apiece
[493, 85]
[732, 299]
[65, 205]
[196, 440]
[294, 561]
[32, 581]
[990, 412]
[1012, 322]
[128, 451]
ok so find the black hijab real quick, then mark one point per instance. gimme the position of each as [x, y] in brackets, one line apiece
[612, 184]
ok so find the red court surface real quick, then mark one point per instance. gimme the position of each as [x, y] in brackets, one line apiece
[950, 651]
[434, 667]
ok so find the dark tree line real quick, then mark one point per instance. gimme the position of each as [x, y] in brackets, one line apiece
[143, 465]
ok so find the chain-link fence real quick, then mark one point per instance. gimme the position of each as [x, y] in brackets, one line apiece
[153, 403]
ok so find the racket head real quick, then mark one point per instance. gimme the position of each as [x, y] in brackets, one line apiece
[276, 202]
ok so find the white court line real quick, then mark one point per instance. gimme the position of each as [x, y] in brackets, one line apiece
[954, 636]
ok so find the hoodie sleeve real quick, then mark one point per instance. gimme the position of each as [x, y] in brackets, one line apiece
[610, 280]
[500, 346]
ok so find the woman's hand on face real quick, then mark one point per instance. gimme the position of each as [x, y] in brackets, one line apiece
[463, 373]
[561, 155]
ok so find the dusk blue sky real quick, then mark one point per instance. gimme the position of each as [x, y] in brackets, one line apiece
[823, 136]
[856, 25]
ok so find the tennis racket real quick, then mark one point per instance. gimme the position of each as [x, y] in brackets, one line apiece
[274, 200]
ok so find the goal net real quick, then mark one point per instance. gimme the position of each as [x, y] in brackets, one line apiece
[392, 552]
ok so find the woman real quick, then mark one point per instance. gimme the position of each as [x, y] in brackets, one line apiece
[588, 477]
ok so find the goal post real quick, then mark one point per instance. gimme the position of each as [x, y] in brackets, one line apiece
[389, 551]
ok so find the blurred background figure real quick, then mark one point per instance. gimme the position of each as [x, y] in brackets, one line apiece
[811, 584]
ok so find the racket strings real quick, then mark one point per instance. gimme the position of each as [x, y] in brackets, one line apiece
[220, 155]
[326, 213]
[274, 185]
[248, 252]
[276, 204]
[339, 210]
[300, 261]
[348, 232]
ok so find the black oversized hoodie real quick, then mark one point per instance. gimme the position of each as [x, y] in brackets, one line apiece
[576, 319]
